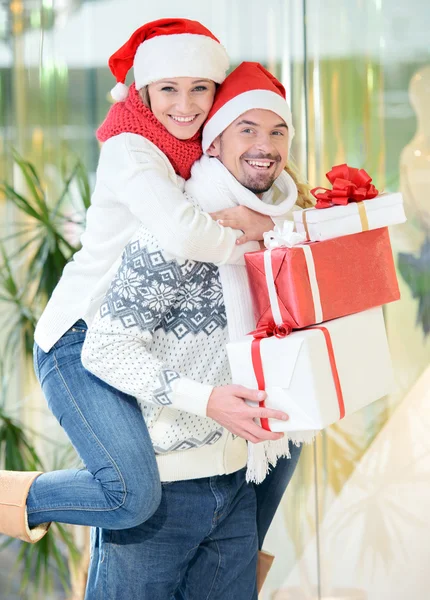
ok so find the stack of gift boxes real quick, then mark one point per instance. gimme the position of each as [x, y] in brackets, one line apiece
[320, 347]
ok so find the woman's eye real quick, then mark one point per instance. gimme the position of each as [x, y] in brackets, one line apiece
[247, 130]
[167, 89]
[280, 133]
[200, 88]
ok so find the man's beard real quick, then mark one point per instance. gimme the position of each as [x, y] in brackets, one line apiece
[258, 189]
[252, 183]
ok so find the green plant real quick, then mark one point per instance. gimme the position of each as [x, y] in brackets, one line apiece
[416, 272]
[32, 258]
[30, 272]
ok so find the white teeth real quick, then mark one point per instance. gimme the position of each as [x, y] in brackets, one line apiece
[183, 119]
[257, 163]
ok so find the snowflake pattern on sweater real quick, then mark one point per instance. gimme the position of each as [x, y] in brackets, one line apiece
[147, 284]
[161, 322]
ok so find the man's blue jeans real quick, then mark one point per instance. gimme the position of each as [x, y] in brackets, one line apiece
[269, 493]
[201, 544]
[119, 487]
[149, 561]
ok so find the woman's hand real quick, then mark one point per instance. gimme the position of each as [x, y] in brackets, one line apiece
[252, 223]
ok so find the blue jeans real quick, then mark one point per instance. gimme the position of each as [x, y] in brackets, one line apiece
[134, 562]
[269, 493]
[201, 544]
[119, 487]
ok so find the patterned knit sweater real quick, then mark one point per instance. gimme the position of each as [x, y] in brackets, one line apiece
[160, 330]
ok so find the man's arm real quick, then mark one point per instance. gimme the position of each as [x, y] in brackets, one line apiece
[117, 349]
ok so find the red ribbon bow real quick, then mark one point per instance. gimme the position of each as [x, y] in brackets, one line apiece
[266, 331]
[349, 185]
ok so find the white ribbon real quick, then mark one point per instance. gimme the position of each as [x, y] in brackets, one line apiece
[283, 237]
[270, 281]
[315, 290]
[286, 237]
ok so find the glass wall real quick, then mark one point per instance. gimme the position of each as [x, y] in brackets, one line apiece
[353, 524]
[355, 512]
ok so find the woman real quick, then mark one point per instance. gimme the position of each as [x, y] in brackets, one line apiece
[177, 64]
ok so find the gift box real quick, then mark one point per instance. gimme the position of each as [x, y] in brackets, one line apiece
[354, 217]
[311, 283]
[317, 375]
[351, 206]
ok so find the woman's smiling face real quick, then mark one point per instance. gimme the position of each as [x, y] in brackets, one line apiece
[182, 104]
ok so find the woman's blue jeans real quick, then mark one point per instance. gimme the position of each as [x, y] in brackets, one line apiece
[119, 487]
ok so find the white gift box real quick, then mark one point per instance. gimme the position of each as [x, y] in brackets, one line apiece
[298, 374]
[320, 224]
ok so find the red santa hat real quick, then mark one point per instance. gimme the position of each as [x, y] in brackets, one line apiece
[168, 48]
[249, 86]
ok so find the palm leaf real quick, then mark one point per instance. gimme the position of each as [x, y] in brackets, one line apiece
[415, 272]
[84, 185]
[19, 201]
[66, 189]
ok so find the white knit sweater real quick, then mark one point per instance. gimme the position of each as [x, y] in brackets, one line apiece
[136, 185]
[160, 330]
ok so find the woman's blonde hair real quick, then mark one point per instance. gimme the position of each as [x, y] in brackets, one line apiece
[144, 95]
[304, 198]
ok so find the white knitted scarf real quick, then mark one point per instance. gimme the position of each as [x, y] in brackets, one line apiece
[215, 188]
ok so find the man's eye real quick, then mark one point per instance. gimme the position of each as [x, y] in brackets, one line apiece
[167, 88]
[281, 133]
[247, 130]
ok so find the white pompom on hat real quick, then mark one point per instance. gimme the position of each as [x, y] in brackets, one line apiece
[168, 48]
[249, 86]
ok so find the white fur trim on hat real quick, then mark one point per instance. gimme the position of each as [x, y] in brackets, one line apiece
[179, 55]
[231, 110]
[120, 92]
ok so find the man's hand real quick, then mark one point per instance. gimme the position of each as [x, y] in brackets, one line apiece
[227, 407]
[253, 224]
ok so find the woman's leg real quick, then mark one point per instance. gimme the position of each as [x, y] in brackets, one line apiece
[119, 486]
[269, 493]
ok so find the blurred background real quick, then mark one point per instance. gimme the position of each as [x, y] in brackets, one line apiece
[354, 523]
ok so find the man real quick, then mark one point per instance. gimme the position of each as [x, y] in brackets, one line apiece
[160, 336]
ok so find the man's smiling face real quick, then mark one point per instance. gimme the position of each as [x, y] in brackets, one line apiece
[254, 148]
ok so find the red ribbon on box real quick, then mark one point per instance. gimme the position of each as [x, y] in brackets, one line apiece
[272, 330]
[349, 185]
[259, 371]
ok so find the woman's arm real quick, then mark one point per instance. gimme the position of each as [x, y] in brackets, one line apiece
[145, 182]
[249, 222]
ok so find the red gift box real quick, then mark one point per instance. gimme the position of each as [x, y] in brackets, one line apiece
[320, 281]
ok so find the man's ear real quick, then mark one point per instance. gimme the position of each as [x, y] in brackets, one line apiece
[214, 148]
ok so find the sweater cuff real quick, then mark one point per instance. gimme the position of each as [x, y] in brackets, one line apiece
[279, 220]
[238, 255]
[191, 396]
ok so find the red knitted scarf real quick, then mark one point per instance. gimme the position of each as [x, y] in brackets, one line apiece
[132, 116]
